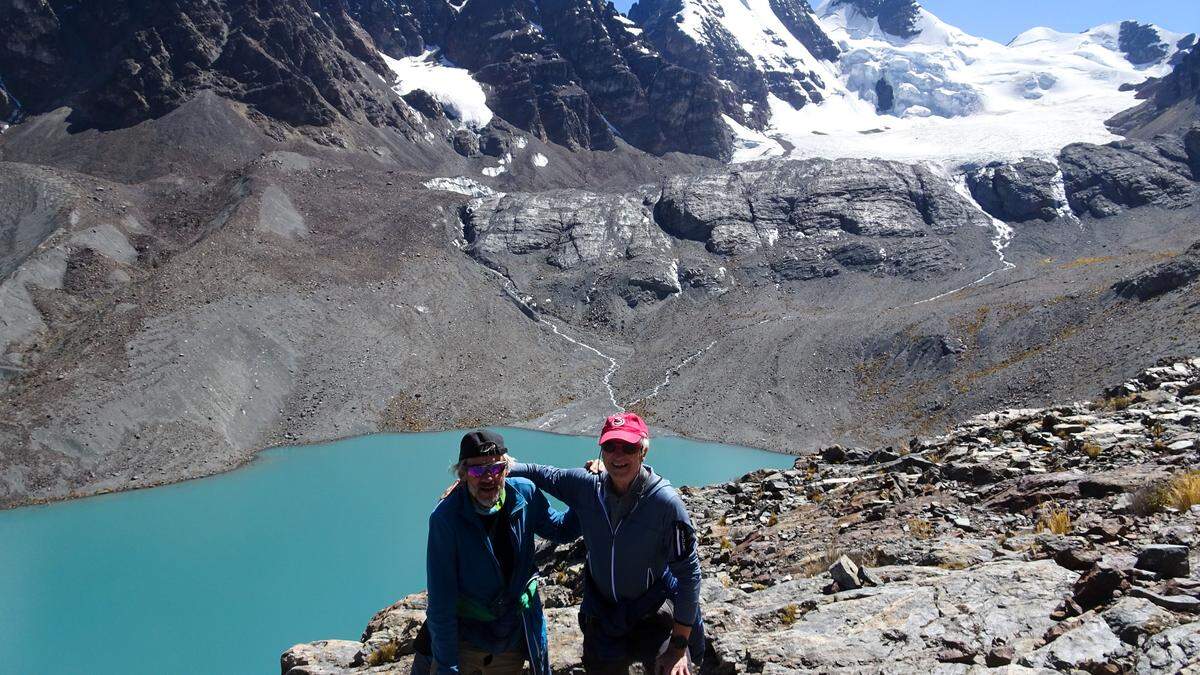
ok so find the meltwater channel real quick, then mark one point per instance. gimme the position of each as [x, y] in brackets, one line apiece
[220, 575]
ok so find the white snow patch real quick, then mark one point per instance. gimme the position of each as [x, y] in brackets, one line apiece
[521, 142]
[749, 144]
[493, 171]
[539, 160]
[462, 185]
[461, 96]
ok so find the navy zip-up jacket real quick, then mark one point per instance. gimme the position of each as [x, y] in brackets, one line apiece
[626, 559]
[461, 563]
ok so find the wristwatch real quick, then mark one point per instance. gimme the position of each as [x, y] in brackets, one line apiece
[679, 642]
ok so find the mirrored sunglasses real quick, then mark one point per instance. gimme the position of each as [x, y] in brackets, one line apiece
[490, 470]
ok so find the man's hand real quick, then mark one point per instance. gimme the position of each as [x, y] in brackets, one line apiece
[673, 662]
[594, 465]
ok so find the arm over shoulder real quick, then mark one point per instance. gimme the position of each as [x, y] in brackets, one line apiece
[567, 485]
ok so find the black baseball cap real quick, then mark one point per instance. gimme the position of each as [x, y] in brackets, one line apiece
[481, 443]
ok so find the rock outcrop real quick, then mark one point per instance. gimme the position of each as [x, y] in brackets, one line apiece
[1018, 192]
[786, 222]
[895, 17]
[574, 72]
[1164, 277]
[1171, 101]
[1054, 539]
[123, 63]
[785, 45]
[1102, 180]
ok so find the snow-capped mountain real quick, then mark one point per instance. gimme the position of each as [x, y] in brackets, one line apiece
[912, 87]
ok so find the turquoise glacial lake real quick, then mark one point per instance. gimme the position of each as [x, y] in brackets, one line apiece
[222, 574]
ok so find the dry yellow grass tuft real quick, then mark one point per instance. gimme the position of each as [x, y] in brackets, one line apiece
[1057, 521]
[1183, 492]
[919, 528]
[1091, 449]
[386, 653]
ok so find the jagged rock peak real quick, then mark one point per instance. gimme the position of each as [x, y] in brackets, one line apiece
[895, 17]
[1141, 43]
[755, 48]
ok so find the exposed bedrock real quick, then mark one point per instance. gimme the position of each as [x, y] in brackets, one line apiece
[784, 221]
[1102, 180]
[780, 222]
[1018, 192]
[1162, 278]
[120, 63]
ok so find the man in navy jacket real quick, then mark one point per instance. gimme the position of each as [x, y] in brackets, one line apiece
[642, 596]
[484, 613]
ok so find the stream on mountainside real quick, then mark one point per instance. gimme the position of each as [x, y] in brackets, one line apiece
[221, 574]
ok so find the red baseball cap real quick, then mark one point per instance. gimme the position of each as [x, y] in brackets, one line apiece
[626, 427]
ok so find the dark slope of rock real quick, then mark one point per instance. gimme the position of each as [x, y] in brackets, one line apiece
[1172, 105]
[1140, 43]
[895, 17]
[570, 71]
[716, 53]
[118, 64]
[1059, 539]
[655, 105]
[1164, 278]
[1102, 180]
[1017, 192]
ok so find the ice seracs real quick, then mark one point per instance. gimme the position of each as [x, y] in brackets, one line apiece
[914, 88]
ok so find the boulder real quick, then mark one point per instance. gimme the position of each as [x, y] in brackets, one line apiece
[1134, 618]
[1167, 560]
[1171, 651]
[320, 657]
[1177, 603]
[1087, 647]
[845, 574]
[1098, 585]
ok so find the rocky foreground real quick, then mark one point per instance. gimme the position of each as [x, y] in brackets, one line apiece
[1048, 539]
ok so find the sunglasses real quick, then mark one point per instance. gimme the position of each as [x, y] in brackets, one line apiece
[622, 447]
[489, 470]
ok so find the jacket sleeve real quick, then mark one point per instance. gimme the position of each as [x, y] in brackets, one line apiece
[567, 485]
[441, 614]
[684, 562]
[557, 526]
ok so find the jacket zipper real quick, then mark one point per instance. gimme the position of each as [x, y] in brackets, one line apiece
[612, 562]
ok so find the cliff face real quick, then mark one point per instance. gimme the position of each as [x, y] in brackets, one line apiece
[1172, 103]
[571, 72]
[1060, 539]
[120, 63]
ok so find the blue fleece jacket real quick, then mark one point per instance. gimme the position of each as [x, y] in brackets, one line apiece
[626, 559]
[460, 563]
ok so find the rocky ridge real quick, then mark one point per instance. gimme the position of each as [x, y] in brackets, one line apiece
[780, 222]
[1056, 539]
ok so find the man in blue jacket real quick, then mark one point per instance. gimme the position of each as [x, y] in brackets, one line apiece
[641, 600]
[484, 614]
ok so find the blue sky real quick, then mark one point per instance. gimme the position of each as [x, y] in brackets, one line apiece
[1002, 20]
